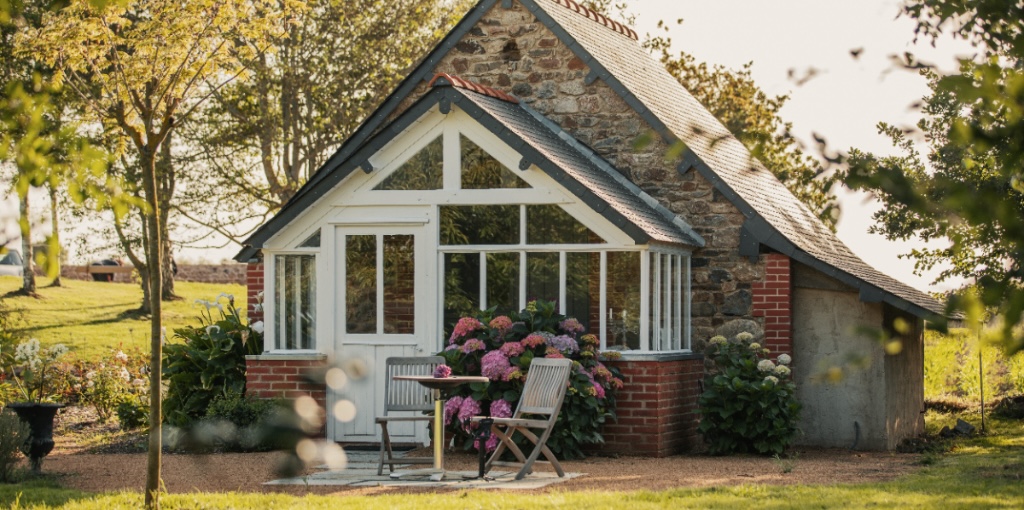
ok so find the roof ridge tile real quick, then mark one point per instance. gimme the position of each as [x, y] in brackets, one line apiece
[600, 18]
[462, 83]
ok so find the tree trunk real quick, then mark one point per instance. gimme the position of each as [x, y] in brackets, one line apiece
[54, 252]
[166, 184]
[28, 277]
[154, 267]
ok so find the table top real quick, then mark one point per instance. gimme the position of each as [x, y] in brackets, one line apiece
[442, 383]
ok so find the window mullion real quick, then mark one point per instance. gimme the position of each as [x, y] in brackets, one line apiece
[483, 280]
[380, 283]
[603, 313]
[645, 298]
[562, 271]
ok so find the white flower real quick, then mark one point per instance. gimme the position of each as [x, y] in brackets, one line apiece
[203, 302]
[90, 374]
[257, 327]
[765, 365]
[717, 340]
[211, 329]
[782, 371]
[125, 375]
[772, 379]
[56, 351]
[257, 307]
[744, 337]
[121, 356]
[784, 359]
[755, 346]
[222, 294]
[138, 383]
[259, 296]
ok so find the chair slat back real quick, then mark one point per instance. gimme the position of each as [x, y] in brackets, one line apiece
[545, 387]
[408, 395]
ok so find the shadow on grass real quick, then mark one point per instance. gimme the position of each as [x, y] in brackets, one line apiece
[133, 314]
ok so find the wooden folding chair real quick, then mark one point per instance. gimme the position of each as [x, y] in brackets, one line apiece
[538, 408]
[405, 396]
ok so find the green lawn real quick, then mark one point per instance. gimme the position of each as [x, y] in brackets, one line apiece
[93, 317]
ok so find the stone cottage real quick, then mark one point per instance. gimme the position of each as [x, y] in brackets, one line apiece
[504, 168]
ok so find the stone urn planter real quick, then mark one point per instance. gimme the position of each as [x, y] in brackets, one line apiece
[39, 418]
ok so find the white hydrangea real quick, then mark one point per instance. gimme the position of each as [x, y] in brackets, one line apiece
[121, 356]
[56, 351]
[744, 337]
[755, 346]
[717, 340]
[125, 375]
[782, 371]
[765, 365]
[784, 359]
[772, 379]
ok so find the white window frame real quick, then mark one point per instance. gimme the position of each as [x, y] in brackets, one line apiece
[270, 305]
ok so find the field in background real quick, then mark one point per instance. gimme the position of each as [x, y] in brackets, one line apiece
[951, 368]
[93, 317]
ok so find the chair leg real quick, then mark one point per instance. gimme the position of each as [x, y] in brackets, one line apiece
[385, 444]
[540, 446]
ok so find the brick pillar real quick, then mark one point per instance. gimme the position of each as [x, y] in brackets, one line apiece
[254, 285]
[283, 376]
[656, 407]
[773, 300]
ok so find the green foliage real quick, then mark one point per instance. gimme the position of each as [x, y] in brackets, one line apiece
[13, 434]
[749, 403]
[210, 362]
[501, 348]
[250, 419]
[107, 383]
[951, 367]
[133, 413]
[34, 373]
[972, 190]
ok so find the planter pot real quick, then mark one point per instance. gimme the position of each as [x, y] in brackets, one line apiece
[39, 418]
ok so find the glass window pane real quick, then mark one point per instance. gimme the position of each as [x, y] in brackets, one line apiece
[481, 171]
[423, 171]
[503, 282]
[542, 276]
[583, 284]
[307, 302]
[479, 224]
[399, 284]
[550, 224]
[295, 301]
[623, 298]
[361, 284]
[461, 287]
[312, 242]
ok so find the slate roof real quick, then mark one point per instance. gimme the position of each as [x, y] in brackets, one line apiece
[775, 218]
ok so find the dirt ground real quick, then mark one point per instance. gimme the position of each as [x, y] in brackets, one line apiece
[77, 466]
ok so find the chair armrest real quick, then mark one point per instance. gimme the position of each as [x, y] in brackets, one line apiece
[515, 422]
[382, 419]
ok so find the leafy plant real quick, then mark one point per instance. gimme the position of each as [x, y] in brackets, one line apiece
[13, 434]
[33, 368]
[749, 404]
[501, 349]
[210, 362]
[108, 383]
[249, 418]
[133, 413]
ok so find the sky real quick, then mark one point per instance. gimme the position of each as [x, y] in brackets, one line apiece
[843, 102]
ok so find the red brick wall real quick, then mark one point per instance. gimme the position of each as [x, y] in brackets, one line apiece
[773, 300]
[656, 408]
[254, 285]
[284, 378]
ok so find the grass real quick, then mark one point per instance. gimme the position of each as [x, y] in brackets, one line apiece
[93, 317]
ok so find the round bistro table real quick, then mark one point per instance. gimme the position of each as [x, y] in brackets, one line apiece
[437, 385]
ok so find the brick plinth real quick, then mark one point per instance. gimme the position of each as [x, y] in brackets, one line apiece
[273, 377]
[773, 300]
[656, 408]
[254, 285]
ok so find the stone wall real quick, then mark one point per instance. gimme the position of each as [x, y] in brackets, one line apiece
[206, 273]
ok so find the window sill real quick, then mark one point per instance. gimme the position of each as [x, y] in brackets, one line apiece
[656, 355]
[288, 356]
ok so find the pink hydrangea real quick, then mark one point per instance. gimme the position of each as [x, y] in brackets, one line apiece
[473, 344]
[598, 389]
[564, 344]
[468, 409]
[442, 372]
[491, 444]
[513, 374]
[534, 340]
[501, 323]
[552, 352]
[494, 365]
[512, 349]
[589, 340]
[464, 328]
[451, 408]
[571, 326]
[501, 408]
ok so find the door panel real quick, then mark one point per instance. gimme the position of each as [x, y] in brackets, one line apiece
[380, 269]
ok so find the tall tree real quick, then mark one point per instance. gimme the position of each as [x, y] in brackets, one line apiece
[973, 192]
[140, 67]
[262, 138]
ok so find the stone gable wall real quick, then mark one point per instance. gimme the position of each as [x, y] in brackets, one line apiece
[510, 50]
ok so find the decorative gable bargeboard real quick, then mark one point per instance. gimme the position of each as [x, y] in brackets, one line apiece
[548, 98]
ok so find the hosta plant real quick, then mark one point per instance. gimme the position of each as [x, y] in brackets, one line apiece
[749, 401]
[501, 349]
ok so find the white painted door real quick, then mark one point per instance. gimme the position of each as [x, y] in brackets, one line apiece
[381, 279]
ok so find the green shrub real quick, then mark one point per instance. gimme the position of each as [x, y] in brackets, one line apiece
[209, 363]
[749, 403]
[249, 418]
[13, 434]
[133, 413]
[502, 349]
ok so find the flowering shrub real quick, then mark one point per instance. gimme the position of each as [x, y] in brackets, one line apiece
[112, 381]
[33, 372]
[750, 404]
[501, 349]
[210, 362]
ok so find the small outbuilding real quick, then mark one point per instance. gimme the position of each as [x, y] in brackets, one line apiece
[505, 168]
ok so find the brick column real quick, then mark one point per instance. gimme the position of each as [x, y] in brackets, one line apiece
[656, 408]
[283, 376]
[773, 300]
[254, 285]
